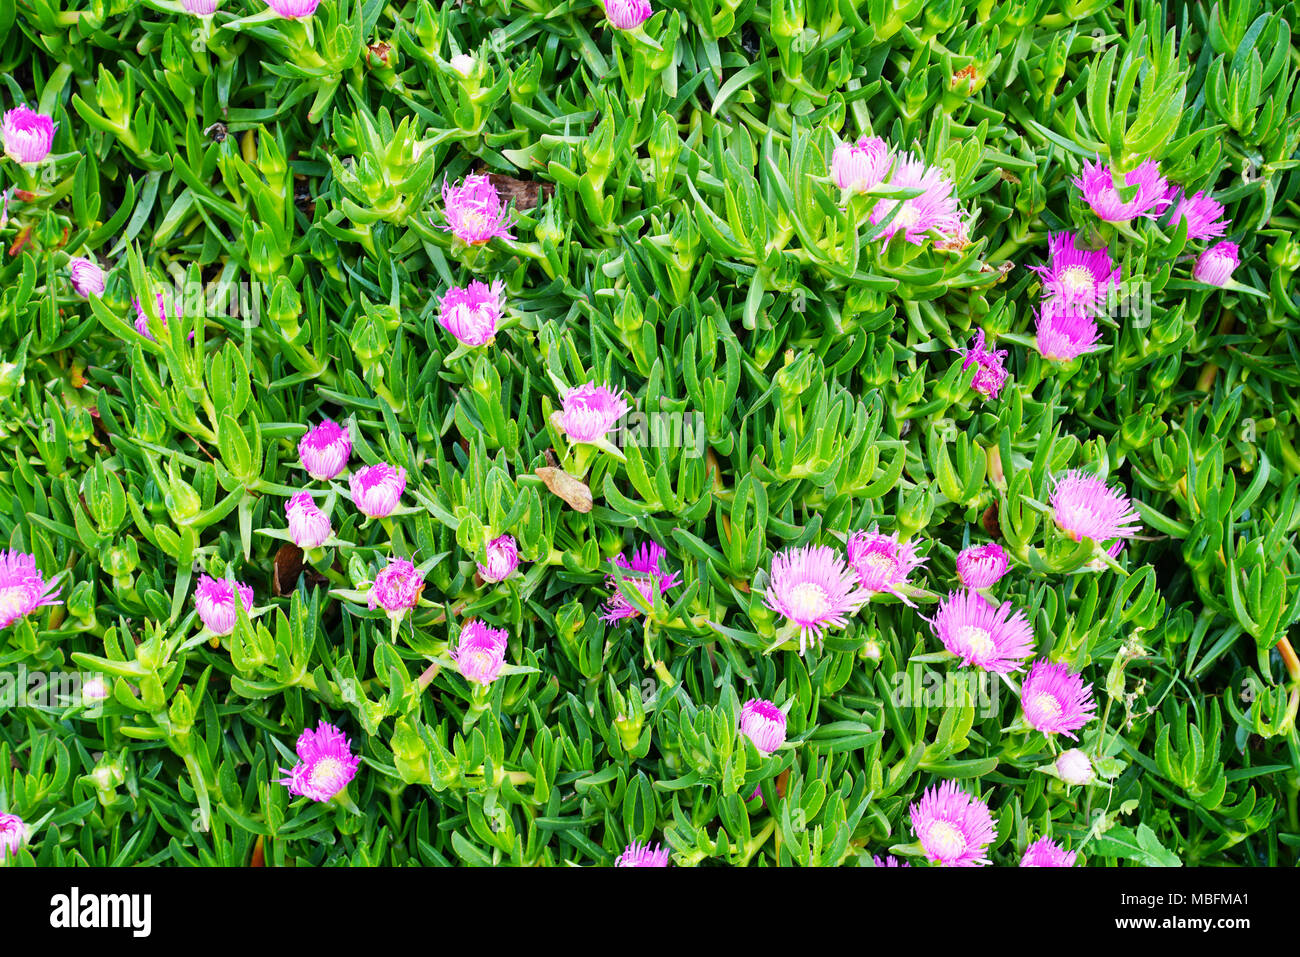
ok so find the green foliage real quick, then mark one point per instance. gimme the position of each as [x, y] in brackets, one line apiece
[678, 236]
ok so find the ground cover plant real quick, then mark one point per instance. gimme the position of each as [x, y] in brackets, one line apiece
[676, 433]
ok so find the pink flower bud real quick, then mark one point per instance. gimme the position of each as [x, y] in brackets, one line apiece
[324, 450]
[215, 598]
[397, 587]
[627, 14]
[502, 559]
[764, 724]
[980, 566]
[294, 9]
[28, 135]
[481, 652]
[376, 489]
[309, 527]
[589, 411]
[472, 314]
[87, 277]
[1214, 266]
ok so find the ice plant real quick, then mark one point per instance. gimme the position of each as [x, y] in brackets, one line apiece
[376, 489]
[472, 313]
[994, 638]
[1074, 768]
[215, 598]
[86, 276]
[990, 372]
[627, 14]
[953, 827]
[325, 764]
[23, 588]
[889, 860]
[325, 449]
[28, 135]
[1065, 332]
[1214, 267]
[763, 723]
[480, 652]
[1098, 188]
[1074, 277]
[202, 8]
[981, 566]
[882, 562]
[1055, 700]
[293, 9]
[642, 855]
[502, 559]
[13, 832]
[475, 213]
[651, 581]
[589, 411]
[814, 589]
[862, 165]
[397, 587]
[1204, 214]
[96, 689]
[309, 527]
[1086, 507]
[935, 209]
[1045, 852]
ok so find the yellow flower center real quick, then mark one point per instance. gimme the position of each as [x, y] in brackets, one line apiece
[808, 602]
[945, 841]
[1076, 280]
[977, 641]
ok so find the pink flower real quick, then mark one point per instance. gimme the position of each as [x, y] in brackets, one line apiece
[142, 319]
[953, 827]
[1055, 700]
[480, 652]
[472, 314]
[642, 855]
[202, 8]
[882, 562]
[309, 527]
[1087, 508]
[1065, 332]
[889, 860]
[96, 689]
[397, 587]
[475, 214]
[294, 9]
[1074, 767]
[653, 581]
[1214, 266]
[87, 277]
[935, 209]
[815, 589]
[991, 372]
[764, 724]
[1204, 214]
[28, 135]
[1099, 192]
[589, 411]
[627, 14]
[23, 589]
[324, 450]
[214, 599]
[376, 489]
[1045, 852]
[1080, 279]
[502, 559]
[981, 566]
[325, 764]
[13, 832]
[862, 165]
[993, 638]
